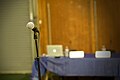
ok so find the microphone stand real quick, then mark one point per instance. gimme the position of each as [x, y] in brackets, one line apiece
[38, 61]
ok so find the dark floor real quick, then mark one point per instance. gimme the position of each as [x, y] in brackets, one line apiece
[53, 77]
[14, 76]
[56, 77]
[88, 78]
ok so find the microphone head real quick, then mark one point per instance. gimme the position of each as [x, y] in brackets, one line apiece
[30, 25]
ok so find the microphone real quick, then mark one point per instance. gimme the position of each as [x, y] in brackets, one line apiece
[31, 25]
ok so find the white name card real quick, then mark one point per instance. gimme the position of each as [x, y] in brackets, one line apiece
[102, 54]
[76, 54]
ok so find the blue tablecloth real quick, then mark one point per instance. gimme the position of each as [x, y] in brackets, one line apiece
[79, 67]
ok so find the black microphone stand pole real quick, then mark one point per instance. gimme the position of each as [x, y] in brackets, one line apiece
[38, 60]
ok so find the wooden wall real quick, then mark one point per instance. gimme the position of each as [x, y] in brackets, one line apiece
[42, 16]
[70, 24]
[108, 25]
[80, 24]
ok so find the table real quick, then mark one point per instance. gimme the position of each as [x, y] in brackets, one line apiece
[79, 67]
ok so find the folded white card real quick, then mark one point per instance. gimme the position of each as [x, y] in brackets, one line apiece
[76, 54]
[102, 54]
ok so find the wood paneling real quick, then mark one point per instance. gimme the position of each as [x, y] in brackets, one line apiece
[43, 26]
[71, 23]
[108, 15]
[80, 24]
